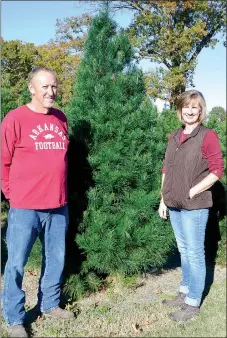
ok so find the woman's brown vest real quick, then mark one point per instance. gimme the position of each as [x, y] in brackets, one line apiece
[185, 167]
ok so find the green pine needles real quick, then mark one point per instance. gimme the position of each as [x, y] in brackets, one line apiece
[120, 230]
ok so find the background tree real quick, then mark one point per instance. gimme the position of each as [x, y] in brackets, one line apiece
[217, 114]
[72, 32]
[172, 34]
[8, 99]
[24, 96]
[17, 59]
[120, 229]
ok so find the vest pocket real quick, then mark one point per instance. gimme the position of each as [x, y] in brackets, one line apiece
[201, 200]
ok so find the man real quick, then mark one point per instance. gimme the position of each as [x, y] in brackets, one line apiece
[34, 180]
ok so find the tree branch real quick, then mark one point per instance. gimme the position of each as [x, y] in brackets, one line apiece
[166, 63]
[203, 43]
[132, 5]
[135, 5]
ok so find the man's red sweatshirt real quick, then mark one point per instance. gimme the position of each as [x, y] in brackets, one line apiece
[34, 158]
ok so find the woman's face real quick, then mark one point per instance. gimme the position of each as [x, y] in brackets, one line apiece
[190, 113]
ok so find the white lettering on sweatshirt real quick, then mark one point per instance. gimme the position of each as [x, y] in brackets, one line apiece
[47, 127]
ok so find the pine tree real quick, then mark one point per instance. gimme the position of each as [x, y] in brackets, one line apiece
[169, 121]
[120, 230]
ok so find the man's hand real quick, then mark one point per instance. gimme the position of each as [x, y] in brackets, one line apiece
[162, 210]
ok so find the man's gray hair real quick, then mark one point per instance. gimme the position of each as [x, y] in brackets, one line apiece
[36, 70]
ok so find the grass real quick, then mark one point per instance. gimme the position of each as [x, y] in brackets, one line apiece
[35, 258]
[211, 322]
[130, 306]
[134, 312]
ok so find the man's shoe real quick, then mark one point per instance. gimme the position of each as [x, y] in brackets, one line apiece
[177, 301]
[59, 314]
[17, 331]
[187, 312]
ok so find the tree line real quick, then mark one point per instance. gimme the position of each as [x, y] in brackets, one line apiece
[169, 33]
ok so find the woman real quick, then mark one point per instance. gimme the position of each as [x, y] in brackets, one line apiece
[193, 163]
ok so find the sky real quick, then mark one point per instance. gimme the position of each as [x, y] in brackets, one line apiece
[34, 21]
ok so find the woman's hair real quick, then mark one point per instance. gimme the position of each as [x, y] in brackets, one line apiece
[191, 96]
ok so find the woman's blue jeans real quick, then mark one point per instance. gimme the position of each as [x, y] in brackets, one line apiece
[189, 228]
[24, 226]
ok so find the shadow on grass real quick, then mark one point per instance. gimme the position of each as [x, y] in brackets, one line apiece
[31, 316]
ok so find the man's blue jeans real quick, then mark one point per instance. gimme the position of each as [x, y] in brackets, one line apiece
[24, 226]
[189, 228]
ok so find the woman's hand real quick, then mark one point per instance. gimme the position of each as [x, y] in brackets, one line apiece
[192, 192]
[162, 210]
[205, 184]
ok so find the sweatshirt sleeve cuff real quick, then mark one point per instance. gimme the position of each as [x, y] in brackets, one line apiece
[218, 173]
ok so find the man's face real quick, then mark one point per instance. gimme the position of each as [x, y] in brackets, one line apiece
[43, 88]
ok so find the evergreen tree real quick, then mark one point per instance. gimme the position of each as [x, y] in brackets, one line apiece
[169, 121]
[120, 230]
